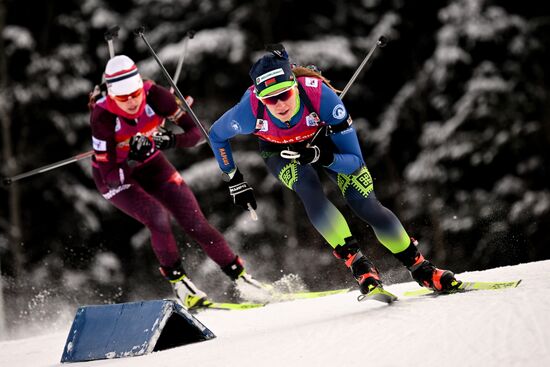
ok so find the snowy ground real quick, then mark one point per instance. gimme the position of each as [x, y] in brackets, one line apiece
[485, 328]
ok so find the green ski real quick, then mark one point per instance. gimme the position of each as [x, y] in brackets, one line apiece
[378, 294]
[227, 306]
[305, 295]
[465, 287]
[278, 297]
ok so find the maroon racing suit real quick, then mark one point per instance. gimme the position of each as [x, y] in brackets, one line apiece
[151, 190]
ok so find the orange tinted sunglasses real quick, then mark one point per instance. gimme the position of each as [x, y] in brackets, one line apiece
[126, 97]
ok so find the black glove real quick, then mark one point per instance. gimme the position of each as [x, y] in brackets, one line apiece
[306, 155]
[141, 147]
[241, 192]
[164, 139]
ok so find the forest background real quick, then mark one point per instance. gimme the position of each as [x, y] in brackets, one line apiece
[453, 117]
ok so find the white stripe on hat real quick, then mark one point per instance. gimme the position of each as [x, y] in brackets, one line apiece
[270, 74]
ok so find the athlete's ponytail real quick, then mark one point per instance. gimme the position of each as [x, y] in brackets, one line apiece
[312, 71]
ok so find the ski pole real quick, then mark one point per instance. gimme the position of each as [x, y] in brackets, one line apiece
[140, 33]
[109, 36]
[380, 43]
[189, 35]
[9, 180]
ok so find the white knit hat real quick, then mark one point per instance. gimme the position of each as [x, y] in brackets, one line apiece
[122, 76]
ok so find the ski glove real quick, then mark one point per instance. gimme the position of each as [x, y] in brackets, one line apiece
[310, 154]
[141, 147]
[240, 191]
[164, 139]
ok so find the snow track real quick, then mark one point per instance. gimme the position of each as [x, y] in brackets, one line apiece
[484, 328]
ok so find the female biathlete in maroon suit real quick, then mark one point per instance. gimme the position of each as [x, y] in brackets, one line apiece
[131, 172]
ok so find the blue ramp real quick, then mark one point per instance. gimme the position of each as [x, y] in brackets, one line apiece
[131, 329]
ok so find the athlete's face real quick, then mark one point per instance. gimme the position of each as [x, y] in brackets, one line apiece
[130, 103]
[281, 103]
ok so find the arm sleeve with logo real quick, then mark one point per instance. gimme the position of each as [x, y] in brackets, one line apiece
[239, 120]
[347, 157]
[103, 139]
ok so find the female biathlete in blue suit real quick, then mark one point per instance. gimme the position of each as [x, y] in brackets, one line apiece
[285, 108]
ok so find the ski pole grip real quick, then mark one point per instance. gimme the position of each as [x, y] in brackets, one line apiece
[109, 36]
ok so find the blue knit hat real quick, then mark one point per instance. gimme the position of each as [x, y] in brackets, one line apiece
[272, 72]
